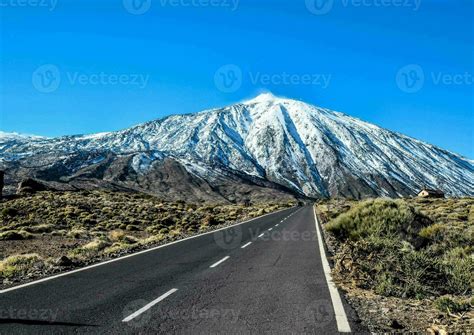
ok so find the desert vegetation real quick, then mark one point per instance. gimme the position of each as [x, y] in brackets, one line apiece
[400, 258]
[50, 232]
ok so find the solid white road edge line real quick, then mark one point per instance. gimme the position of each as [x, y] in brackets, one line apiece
[246, 245]
[150, 305]
[131, 255]
[341, 317]
[221, 261]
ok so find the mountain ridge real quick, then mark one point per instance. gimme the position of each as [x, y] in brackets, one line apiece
[258, 97]
[309, 150]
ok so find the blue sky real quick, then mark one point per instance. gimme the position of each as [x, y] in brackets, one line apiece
[406, 65]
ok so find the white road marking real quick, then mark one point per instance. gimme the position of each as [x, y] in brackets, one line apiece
[261, 234]
[221, 261]
[150, 305]
[270, 229]
[131, 255]
[276, 225]
[341, 317]
[246, 245]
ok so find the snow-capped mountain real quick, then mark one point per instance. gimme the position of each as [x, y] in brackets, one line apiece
[271, 142]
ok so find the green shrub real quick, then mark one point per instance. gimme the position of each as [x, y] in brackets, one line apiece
[450, 305]
[77, 233]
[380, 217]
[459, 275]
[391, 269]
[43, 228]
[385, 285]
[132, 227]
[15, 235]
[18, 264]
[9, 211]
[117, 247]
[90, 249]
[434, 232]
[396, 250]
[152, 239]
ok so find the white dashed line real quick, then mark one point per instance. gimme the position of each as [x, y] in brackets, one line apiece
[261, 235]
[246, 245]
[221, 261]
[270, 229]
[150, 305]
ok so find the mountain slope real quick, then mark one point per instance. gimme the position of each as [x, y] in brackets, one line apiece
[284, 143]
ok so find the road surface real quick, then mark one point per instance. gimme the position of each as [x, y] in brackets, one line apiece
[263, 276]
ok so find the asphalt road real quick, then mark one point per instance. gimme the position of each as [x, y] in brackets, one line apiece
[215, 283]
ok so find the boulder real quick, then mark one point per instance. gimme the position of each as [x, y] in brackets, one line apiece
[395, 324]
[63, 261]
[30, 186]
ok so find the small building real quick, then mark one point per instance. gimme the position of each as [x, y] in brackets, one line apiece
[430, 193]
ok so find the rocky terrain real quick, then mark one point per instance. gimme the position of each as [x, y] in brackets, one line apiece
[50, 232]
[405, 265]
[257, 150]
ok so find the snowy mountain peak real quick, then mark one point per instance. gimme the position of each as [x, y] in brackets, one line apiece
[17, 136]
[264, 97]
[310, 150]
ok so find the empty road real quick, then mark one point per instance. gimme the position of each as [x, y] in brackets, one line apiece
[262, 276]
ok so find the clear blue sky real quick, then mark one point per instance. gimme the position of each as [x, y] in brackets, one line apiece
[360, 46]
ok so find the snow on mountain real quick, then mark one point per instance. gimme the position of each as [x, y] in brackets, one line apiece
[311, 150]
